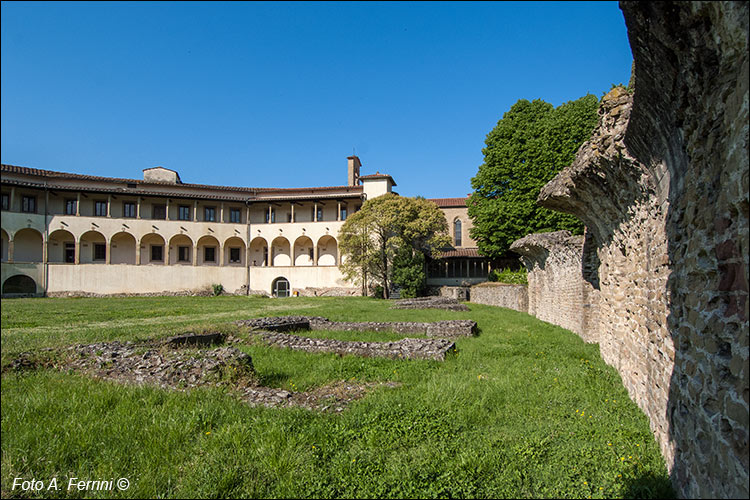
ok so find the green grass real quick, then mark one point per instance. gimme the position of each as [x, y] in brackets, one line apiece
[524, 410]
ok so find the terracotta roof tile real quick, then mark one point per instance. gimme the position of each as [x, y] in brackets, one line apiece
[461, 252]
[449, 202]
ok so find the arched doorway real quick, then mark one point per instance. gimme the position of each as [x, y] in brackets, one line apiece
[20, 283]
[208, 251]
[181, 250]
[327, 251]
[280, 254]
[258, 252]
[93, 248]
[280, 287]
[303, 251]
[123, 248]
[61, 247]
[27, 246]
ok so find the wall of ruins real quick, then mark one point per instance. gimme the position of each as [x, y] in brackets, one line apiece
[514, 297]
[661, 278]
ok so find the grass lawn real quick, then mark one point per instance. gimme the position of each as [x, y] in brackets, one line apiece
[526, 409]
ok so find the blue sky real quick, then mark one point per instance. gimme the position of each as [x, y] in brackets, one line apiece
[279, 94]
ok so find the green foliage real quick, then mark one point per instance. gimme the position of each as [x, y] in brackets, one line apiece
[524, 410]
[508, 276]
[409, 272]
[530, 144]
[218, 289]
[371, 239]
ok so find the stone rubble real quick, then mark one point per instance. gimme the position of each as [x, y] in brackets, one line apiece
[448, 303]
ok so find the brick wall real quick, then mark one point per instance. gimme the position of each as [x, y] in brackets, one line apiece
[501, 295]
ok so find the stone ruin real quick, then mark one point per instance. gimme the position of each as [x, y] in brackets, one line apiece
[660, 279]
[185, 362]
[448, 303]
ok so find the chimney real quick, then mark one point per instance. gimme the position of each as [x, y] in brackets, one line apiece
[353, 170]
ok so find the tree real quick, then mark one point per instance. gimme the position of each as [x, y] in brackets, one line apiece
[530, 144]
[388, 227]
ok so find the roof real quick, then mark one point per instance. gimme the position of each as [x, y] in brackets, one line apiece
[449, 202]
[461, 252]
[377, 175]
[179, 190]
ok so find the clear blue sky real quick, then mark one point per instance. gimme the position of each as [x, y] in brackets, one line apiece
[279, 94]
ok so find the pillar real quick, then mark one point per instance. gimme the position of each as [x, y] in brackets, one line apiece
[11, 248]
[315, 254]
[292, 212]
[166, 215]
[269, 214]
[195, 211]
[109, 214]
[138, 211]
[138, 248]
[78, 252]
[221, 212]
[108, 251]
[195, 254]
[338, 211]
[221, 254]
[12, 198]
[78, 205]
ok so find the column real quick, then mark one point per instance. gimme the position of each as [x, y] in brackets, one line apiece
[78, 204]
[292, 248]
[108, 254]
[338, 211]
[195, 211]
[11, 245]
[78, 252]
[195, 254]
[315, 212]
[109, 214]
[138, 246]
[138, 211]
[315, 254]
[166, 252]
[45, 251]
[221, 212]
[247, 217]
[12, 198]
[269, 214]
[166, 215]
[292, 212]
[221, 254]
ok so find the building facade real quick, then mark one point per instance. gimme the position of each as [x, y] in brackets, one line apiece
[64, 233]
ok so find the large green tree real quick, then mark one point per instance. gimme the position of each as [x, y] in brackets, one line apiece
[530, 144]
[386, 229]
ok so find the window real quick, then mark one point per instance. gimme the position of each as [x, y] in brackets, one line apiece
[280, 287]
[184, 212]
[159, 212]
[70, 253]
[128, 209]
[183, 254]
[157, 253]
[209, 254]
[210, 214]
[70, 207]
[28, 204]
[6, 201]
[273, 216]
[234, 255]
[100, 208]
[289, 216]
[343, 213]
[100, 251]
[234, 215]
[320, 214]
[457, 232]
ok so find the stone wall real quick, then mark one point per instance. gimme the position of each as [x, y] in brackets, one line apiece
[661, 280]
[502, 295]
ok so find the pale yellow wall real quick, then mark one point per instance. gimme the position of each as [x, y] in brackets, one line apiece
[461, 213]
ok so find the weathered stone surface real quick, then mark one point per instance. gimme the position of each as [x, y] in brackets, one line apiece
[662, 187]
[430, 303]
[195, 339]
[447, 329]
[402, 349]
[514, 297]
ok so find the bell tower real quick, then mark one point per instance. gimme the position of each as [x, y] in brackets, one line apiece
[353, 170]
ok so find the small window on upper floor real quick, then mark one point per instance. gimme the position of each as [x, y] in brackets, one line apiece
[28, 204]
[159, 212]
[210, 214]
[6, 201]
[320, 214]
[234, 215]
[457, 233]
[343, 213]
[184, 212]
[100, 251]
[128, 209]
[100, 208]
[71, 207]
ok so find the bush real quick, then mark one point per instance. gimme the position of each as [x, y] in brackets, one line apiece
[378, 292]
[508, 276]
[218, 289]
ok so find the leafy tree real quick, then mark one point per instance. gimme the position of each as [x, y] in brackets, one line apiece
[385, 227]
[530, 144]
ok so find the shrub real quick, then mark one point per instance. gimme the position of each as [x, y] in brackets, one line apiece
[508, 276]
[218, 289]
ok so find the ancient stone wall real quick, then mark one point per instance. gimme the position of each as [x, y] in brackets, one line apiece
[513, 297]
[662, 276]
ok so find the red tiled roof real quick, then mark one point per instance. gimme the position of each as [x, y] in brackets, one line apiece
[461, 252]
[378, 175]
[244, 190]
[449, 202]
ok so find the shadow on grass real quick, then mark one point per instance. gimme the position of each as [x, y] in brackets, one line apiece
[649, 486]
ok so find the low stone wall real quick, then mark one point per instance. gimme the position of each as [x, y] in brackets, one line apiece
[450, 304]
[435, 349]
[514, 297]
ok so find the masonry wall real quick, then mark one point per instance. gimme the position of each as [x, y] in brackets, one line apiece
[502, 295]
[662, 274]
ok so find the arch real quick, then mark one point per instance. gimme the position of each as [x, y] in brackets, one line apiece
[303, 251]
[151, 249]
[234, 251]
[258, 252]
[280, 287]
[122, 248]
[280, 255]
[61, 247]
[4, 245]
[457, 233]
[27, 245]
[205, 253]
[20, 283]
[93, 248]
[328, 251]
[181, 250]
